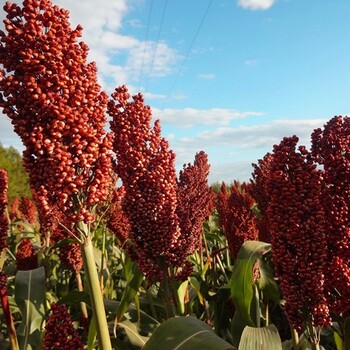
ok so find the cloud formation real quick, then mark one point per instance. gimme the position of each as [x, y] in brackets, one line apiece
[190, 117]
[103, 21]
[256, 4]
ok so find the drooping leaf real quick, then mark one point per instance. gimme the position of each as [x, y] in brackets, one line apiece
[185, 333]
[181, 294]
[263, 338]
[196, 287]
[241, 282]
[134, 280]
[133, 333]
[268, 284]
[29, 296]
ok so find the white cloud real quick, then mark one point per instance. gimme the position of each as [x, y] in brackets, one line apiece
[206, 76]
[256, 136]
[120, 58]
[251, 62]
[190, 117]
[256, 4]
[231, 151]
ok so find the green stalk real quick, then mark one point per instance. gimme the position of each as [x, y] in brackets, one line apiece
[314, 340]
[168, 292]
[295, 338]
[83, 308]
[96, 297]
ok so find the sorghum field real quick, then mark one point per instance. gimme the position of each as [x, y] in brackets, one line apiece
[115, 250]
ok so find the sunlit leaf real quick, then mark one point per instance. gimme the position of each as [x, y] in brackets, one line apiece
[185, 333]
[263, 338]
[241, 282]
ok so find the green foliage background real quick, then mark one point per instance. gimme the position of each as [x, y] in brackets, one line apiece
[11, 161]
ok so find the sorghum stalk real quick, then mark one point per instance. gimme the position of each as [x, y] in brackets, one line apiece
[7, 312]
[95, 294]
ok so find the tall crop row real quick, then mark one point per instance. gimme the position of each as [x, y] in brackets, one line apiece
[117, 250]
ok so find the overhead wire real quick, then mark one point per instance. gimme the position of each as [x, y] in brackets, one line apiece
[145, 44]
[190, 48]
[156, 45]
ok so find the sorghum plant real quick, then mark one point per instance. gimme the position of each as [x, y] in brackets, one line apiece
[165, 215]
[59, 331]
[298, 237]
[51, 94]
[331, 149]
[26, 257]
[236, 216]
[258, 191]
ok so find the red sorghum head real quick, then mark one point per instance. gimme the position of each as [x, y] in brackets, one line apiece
[236, 217]
[56, 106]
[26, 256]
[298, 237]
[4, 224]
[59, 331]
[154, 201]
[331, 149]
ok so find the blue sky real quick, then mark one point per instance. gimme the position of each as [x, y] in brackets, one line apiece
[231, 78]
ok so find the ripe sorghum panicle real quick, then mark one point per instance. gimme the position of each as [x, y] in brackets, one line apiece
[26, 256]
[258, 191]
[28, 209]
[4, 224]
[298, 236]
[59, 331]
[118, 222]
[145, 164]
[195, 202]
[331, 149]
[14, 211]
[56, 106]
[70, 256]
[236, 217]
[3, 280]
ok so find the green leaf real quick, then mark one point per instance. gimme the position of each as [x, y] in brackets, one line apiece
[264, 338]
[29, 296]
[135, 278]
[197, 287]
[241, 282]
[91, 341]
[347, 334]
[181, 294]
[75, 297]
[268, 284]
[185, 333]
[237, 327]
[132, 331]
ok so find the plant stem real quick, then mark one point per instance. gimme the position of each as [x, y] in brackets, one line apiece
[314, 340]
[295, 338]
[96, 297]
[9, 319]
[84, 313]
[168, 293]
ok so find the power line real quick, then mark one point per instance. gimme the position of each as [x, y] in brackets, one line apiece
[157, 41]
[146, 40]
[190, 48]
